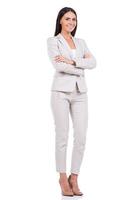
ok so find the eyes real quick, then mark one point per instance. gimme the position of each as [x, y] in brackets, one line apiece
[73, 19]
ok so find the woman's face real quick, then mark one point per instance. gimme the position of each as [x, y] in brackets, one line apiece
[68, 22]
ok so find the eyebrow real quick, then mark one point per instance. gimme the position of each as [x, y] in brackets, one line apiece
[70, 18]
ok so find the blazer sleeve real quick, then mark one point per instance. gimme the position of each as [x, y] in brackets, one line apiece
[53, 51]
[85, 63]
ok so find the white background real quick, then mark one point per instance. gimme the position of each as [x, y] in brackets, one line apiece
[27, 162]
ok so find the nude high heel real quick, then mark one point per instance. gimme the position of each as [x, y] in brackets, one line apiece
[74, 187]
[67, 192]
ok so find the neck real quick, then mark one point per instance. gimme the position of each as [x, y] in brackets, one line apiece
[66, 35]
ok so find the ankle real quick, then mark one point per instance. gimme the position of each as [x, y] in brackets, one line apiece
[63, 176]
[73, 177]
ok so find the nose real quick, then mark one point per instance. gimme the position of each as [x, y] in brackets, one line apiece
[71, 22]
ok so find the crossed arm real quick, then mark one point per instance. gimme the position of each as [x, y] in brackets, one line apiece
[63, 64]
[60, 63]
[60, 58]
[88, 61]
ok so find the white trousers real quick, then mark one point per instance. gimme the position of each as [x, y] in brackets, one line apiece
[75, 103]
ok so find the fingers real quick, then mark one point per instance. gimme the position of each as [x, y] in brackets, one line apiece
[59, 58]
[87, 55]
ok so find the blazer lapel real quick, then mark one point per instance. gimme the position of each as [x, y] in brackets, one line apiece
[76, 45]
[64, 42]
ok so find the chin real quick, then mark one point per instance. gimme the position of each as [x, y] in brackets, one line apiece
[70, 31]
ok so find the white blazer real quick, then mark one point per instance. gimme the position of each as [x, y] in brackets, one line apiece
[67, 75]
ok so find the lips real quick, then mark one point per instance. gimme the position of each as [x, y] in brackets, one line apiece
[70, 26]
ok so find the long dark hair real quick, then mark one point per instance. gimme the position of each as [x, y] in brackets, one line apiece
[60, 15]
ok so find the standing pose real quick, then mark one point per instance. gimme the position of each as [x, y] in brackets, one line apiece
[70, 57]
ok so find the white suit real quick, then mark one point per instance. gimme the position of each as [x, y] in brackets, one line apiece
[69, 95]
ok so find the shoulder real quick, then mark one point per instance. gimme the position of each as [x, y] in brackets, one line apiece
[51, 40]
[80, 40]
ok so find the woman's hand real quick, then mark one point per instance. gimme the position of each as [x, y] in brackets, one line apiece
[63, 59]
[87, 55]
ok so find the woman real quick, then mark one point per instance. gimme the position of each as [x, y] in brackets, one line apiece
[70, 57]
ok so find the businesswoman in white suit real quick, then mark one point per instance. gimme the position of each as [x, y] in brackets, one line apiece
[70, 57]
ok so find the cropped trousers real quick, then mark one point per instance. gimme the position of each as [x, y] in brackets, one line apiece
[75, 104]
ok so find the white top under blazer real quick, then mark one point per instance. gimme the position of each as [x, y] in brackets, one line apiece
[66, 75]
[73, 53]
